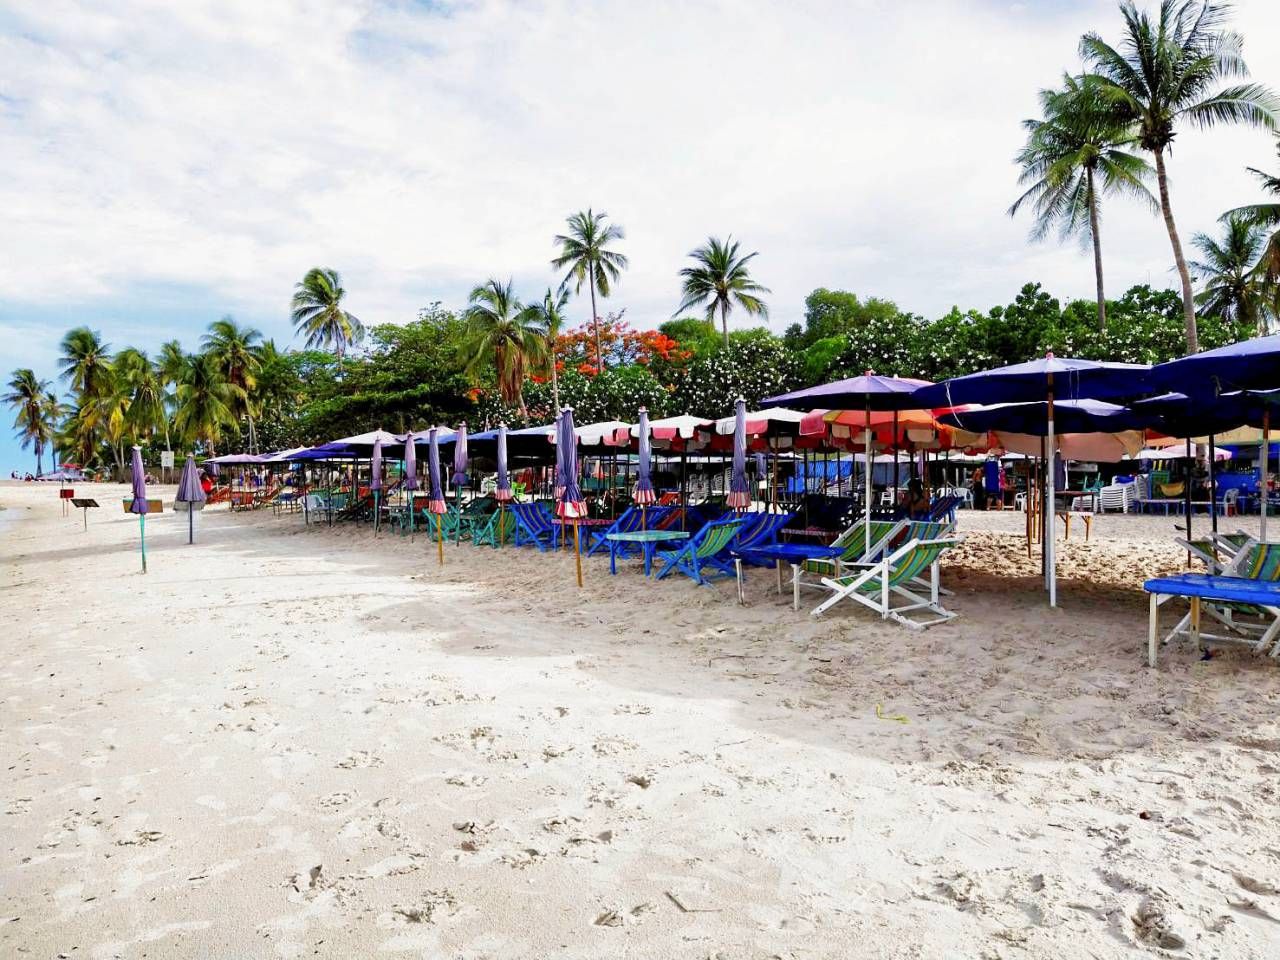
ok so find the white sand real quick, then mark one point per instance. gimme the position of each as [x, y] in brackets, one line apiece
[301, 742]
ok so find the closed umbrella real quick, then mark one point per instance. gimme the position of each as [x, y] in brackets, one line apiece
[191, 493]
[459, 473]
[435, 495]
[139, 504]
[739, 495]
[643, 494]
[375, 481]
[502, 493]
[570, 507]
[410, 472]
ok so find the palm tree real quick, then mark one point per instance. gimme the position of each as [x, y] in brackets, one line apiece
[1232, 287]
[147, 412]
[1077, 153]
[549, 316]
[277, 383]
[584, 250]
[85, 361]
[318, 312]
[721, 279]
[1167, 71]
[1267, 217]
[35, 422]
[235, 350]
[500, 330]
[205, 402]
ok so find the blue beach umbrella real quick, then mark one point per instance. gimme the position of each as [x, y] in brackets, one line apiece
[1250, 364]
[139, 504]
[190, 492]
[739, 493]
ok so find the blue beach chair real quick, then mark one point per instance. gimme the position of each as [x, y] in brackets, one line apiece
[709, 547]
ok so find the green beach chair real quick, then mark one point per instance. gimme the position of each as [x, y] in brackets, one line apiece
[497, 529]
[854, 543]
[895, 578]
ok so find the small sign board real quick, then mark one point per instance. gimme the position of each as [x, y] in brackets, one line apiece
[166, 459]
[66, 493]
[84, 503]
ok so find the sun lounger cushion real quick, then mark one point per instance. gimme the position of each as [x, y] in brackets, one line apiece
[1207, 586]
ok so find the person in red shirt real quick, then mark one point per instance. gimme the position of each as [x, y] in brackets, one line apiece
[205, 483]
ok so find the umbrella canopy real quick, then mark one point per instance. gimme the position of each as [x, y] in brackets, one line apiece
[1249, 364]
[410, 463]
[867, 392]
[1070, 416]
[237, 459]
[569, 502]
[739, 493]
[139, 504]
[435, 496]
[326, 451]
[1175, 453]
[1180, 415]
[189, 489]
[1023, 382]
[211, 468]
[375, 467]
[460, 457]
[503, 490]
[644, 493]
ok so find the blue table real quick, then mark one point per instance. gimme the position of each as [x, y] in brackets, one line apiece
[795, 554]
[648, 540]
[1200, 587]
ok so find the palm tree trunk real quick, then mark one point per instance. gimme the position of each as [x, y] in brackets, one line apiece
[1188, 303]
[595, 320]
[724, 321]
[39, 459]
[1097, 252]
[253, 436]
[555, 384]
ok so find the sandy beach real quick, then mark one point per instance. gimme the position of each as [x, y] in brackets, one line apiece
[290, 741]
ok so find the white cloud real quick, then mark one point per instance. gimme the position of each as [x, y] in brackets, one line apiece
[420, 148]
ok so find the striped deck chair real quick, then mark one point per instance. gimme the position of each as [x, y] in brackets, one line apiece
[462, 523]
[630, 520]
[759, 530]
[1255, 621]
[499, 528]
[893, 578]
[707, 548]
[944, 508]
[533, 525]
[884, 533]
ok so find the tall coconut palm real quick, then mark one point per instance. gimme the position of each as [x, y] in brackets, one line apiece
[548, 315]
[318, 312]
[1231, 287]
[110, 413]
[147, 412]
[584, 251]
[721, 279]
[85, 361]
[1266, 216]
[501, 331]
[235, 350]
[205, 403]
[1072, 158]
[34, 422]
[1170, 70]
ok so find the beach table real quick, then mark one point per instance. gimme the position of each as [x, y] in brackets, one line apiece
[648, 540]
[1198, 587]
[795, 554]
[584, 522]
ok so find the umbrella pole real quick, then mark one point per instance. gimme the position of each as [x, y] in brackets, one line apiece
[684, 489]
[440, 537]
[1186, 495]
[458, 501]
[1266, 467]
[142, 539]
[895, 458]
[191, 524]
[375, 513]
[1213, 495]
[502, 524]
[866, 463]
[577, 551]
[1049, 531]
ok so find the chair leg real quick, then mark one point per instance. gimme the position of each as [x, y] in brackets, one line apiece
[1153, 630]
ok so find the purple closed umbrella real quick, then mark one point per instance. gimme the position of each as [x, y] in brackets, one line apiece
[375, 481]
[190, 492]
[139, 504]
[644, 494]
[570, 507]
[503, 491]
[459, 478]
[211, 468]
[410, 472]
[739, 492]
[435, 494]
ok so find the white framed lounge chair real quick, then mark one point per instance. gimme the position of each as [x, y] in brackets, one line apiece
[893, 579]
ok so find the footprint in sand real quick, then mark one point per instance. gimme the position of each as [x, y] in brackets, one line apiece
[359, 758]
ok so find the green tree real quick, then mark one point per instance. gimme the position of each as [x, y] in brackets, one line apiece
[1073, 156]
[1267, 216]
[235, 350]
[751, 367]
[720, 279]
[205, 403]
[548, 315]
[584, 250]
[85, 361]
[317, 312]
[500, 331]
[693, 334]
[34, 422]
[147, 398]
[1231, 286]
[1167, 71]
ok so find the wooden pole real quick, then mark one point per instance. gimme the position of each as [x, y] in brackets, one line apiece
[440, 537]
[577, 551]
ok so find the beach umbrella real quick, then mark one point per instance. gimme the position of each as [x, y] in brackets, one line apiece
[190, 492]
[459, 477]
[435, 496]
[375, 480]
[1249, 364]
[502, 492]
[643, 494]
[410, 472]
[739, 493]
[570, 507]
[139, 504]
[1049, 379]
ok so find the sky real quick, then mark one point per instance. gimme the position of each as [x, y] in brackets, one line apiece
[165, 164]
